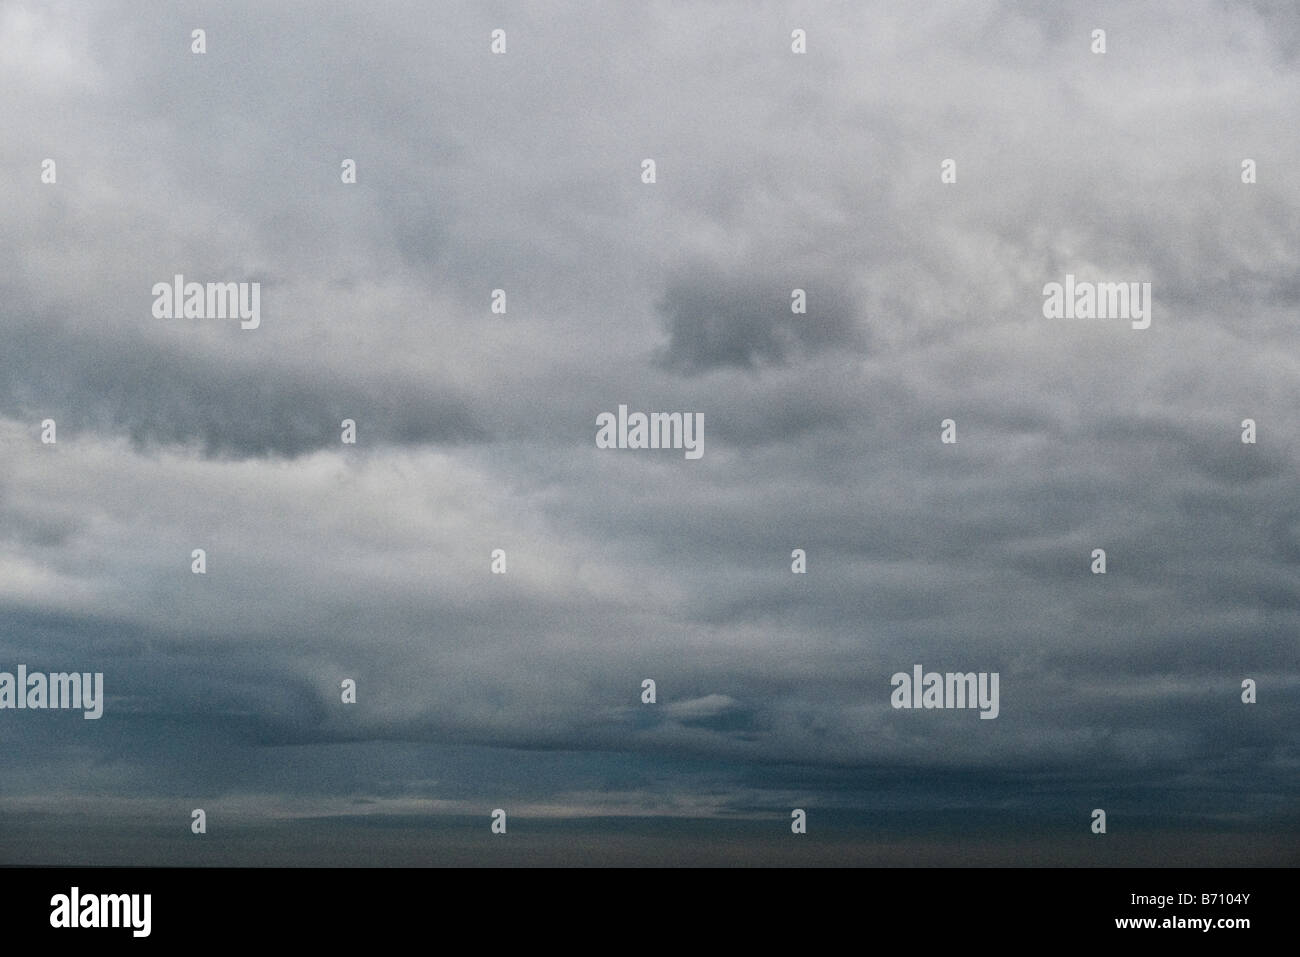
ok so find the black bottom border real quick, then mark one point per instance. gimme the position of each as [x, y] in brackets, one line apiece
[927, 906]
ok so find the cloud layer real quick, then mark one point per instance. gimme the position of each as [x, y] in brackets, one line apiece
[475, 430]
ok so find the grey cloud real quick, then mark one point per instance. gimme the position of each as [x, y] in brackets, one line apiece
[132, 386]
[715, 321]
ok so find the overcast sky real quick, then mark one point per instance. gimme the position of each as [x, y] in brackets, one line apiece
[476, 431]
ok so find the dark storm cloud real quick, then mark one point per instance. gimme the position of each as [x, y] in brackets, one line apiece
[129, 384]
[746, 321]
